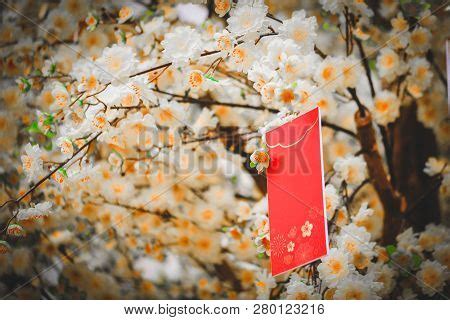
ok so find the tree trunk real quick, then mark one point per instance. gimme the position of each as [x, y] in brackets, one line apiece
[413, 144]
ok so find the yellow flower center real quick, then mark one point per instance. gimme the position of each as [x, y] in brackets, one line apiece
[27, 162]
[327, 73]
[261, 157]
[418, 37]
[238, 55]
[287, 96]
[387, 61]
[431, 278]
[166, 115]
[299, 35]
[195, 79]
[114, 63]
[353, 295]
[381, 106]
[207, 214]
[335, 266]
[301, 296]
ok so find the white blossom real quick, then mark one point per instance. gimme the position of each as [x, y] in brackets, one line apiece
[182, 46]
[116, 64]
[37, 211]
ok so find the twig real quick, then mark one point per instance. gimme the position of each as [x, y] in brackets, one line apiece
[266, 35]
[320, 52]
[361, 108]
[352, 196]
[366, 65]
[213, 102]
[166, 65]
[338, 128]
[270, 16]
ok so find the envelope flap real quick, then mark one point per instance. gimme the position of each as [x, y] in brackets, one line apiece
[292, 132]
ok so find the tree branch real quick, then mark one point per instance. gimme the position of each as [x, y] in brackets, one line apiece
[361, 107]
[365, 62]
[353, 195]
[391, 200]
[338, 128]
[166, 65]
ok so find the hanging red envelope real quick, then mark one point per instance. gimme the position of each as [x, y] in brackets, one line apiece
[295, 187]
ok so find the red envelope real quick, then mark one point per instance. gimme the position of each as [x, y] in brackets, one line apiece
[295, 187]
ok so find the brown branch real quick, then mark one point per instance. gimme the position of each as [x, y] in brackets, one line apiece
[391, 200]
[361, 107]
[183, 98]
[225, 273]
[365, 62]
[319, 52]
[265, 35]
[347, 31]
[165, 215]
[270, 16]
[385, 135]
[338, 128]
[353, 195]
[166, 65]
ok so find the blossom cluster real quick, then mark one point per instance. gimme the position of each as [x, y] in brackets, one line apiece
[133, 150]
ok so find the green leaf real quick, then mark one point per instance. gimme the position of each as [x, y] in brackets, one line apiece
[252, 164]
[390, 249]
[416, 261]
[123, 37]
[48, 146]
[372, 65]
[34, 128]
[326, 26]
[260, 255]
[49, 134]
[49, 119]
[234, 179]
[242, 94]
[52, 68]
[63, 172]
[210, 77]
[26, 84]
